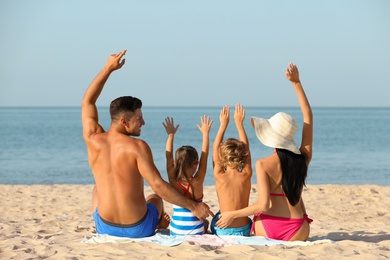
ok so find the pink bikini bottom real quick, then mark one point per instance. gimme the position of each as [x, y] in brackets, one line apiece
[280, 228]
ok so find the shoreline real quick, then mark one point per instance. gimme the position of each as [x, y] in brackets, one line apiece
[52, 220]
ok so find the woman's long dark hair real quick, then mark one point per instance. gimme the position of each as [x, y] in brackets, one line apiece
[294, 172]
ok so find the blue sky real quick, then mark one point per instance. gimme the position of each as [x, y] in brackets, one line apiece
[196, 53]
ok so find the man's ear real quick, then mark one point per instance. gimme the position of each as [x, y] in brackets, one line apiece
[123, 121]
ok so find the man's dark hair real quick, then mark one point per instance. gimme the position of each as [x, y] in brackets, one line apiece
[124, 106]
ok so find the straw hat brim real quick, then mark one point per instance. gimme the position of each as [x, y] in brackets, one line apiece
[269, 137]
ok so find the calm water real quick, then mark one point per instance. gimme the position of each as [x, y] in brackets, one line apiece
[45, 145]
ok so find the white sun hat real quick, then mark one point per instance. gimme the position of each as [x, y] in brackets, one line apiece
[277, 132]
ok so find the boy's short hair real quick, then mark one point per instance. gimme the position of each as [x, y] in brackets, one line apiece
[233, 153]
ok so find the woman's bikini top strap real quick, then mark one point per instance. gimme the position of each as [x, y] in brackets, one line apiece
[277, 194]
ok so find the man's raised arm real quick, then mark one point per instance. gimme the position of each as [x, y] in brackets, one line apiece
[89, 114]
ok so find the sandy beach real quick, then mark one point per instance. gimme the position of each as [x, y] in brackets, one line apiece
[53, 221]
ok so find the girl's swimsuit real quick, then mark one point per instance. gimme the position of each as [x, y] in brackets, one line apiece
[279, 228]
[183, 222]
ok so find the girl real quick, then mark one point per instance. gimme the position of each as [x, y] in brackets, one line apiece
[186, 174]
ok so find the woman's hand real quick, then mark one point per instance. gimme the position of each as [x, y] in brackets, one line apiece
[225, 219]
[292, 73]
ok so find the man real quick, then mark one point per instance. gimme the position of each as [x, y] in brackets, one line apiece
[120, 164]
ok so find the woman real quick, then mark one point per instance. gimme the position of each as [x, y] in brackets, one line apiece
[279, 213]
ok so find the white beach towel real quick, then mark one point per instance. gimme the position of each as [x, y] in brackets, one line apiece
[207, 239]
[158, 238]
[242, 240]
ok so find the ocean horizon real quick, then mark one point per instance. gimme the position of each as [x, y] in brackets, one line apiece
[44, 145]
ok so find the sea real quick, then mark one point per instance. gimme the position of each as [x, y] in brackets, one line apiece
[44, 145]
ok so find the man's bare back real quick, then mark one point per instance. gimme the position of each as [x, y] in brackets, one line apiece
[121, 163]
[117, 169]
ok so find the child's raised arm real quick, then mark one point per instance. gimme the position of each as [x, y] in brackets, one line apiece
[239, 117]
[224, 122]
[205, 130]
[171, 131]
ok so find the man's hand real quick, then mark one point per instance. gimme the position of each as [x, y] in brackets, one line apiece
[202, 211]
[114, 62]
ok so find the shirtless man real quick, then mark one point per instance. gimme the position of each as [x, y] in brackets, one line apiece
[120, 163]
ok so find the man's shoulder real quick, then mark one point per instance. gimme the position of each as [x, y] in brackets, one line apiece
[137, 141]
[96, 137]
[137, 144]
[91, 130]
